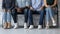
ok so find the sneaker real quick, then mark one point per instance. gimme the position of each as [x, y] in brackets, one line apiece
[39, 26]
[25, 25]
[47, 27]
[15, 25]
[54, 24]
[31, 27]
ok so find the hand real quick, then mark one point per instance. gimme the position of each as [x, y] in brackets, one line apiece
[31, 8]
[54, 8]
[19, 10]
[48, 6]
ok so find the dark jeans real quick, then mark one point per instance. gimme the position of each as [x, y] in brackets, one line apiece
[28, 16]
[41, 17]
[14, 15]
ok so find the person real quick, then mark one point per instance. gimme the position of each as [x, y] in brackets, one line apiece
[14, 15]
[50, 7]
[27, 15]
[7, 5]
[38, 6]
[20, 6]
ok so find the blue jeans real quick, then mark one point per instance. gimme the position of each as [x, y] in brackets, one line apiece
[28, 15]
[7, 16]
[49, 13]
[41, 17]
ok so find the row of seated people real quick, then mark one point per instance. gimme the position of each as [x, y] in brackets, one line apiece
[43, 7]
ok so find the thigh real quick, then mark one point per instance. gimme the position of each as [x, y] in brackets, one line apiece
[14, 12]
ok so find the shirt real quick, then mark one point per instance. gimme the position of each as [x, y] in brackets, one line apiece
[50, 2]
[37, 4]
[8, 4]
[22, 3]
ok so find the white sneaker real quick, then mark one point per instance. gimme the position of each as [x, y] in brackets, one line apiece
[47, 27]
[25, 25]
[54, 24]
[15, 25]
[31, 27]
[39, 26]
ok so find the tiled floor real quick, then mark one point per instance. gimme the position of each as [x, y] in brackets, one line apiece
[27, 31]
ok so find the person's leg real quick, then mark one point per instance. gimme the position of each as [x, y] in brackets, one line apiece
[30, 19]
[51, 15]
[14, 16]
[9, 18]
[26, 17]
[41, 19]
[5, 19]
[47, 18]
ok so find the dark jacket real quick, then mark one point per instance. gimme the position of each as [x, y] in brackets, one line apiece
[8, 4]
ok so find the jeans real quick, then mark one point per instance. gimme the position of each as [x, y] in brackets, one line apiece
[41, 17]
[7, 16]
[14, 15]
[28, 16]
[49, 13]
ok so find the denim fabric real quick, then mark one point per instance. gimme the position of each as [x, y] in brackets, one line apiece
[41, 17]
[28, 16]
[7, 17]
[49, 13]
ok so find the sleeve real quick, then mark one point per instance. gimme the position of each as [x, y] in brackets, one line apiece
[16, 4]
[42, 2]
[13, 4]
[27, 2]
[3, 4]
[30, 2]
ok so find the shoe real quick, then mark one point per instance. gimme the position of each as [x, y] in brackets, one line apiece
[5, 25]
[39, 26]
[47, 27]
[54, 24]
[31, 27]
[15, 26]
[9, 25]
[25, 25]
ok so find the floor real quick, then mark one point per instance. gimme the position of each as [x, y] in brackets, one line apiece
[27, 31]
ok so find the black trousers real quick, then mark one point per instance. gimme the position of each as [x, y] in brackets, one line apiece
[14, 15]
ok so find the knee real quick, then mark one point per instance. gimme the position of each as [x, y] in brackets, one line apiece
[26, 10]
[14, 12]
[29, 11]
